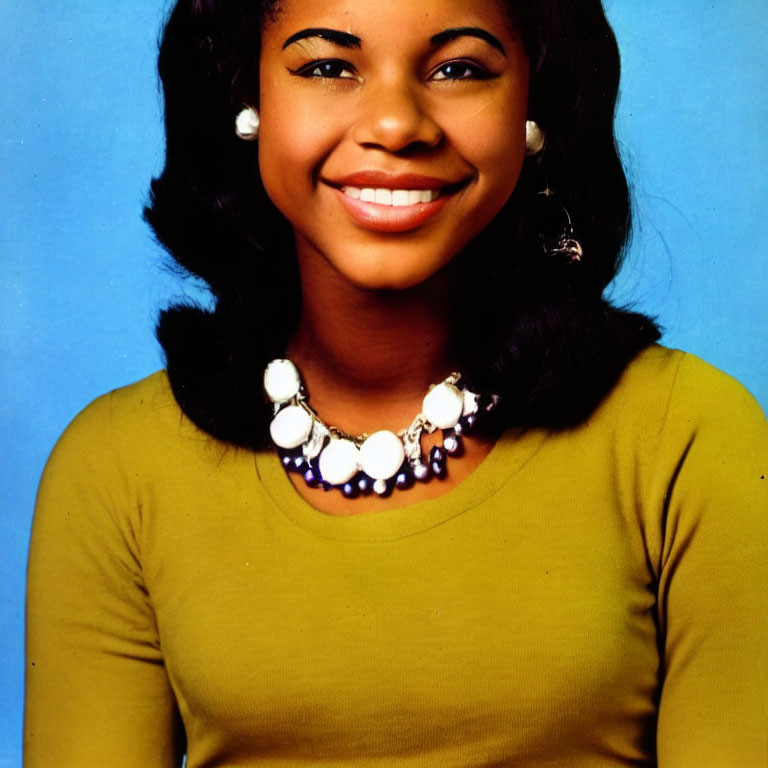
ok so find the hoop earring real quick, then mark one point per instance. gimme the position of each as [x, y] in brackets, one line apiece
[247, 124]
[534, 138]
[566, 244]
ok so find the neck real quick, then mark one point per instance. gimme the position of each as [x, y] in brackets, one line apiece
[368, 357]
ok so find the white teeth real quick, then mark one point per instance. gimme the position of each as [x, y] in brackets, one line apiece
[400, 197]
[397, 197]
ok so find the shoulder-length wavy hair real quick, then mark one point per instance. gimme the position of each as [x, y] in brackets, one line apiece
[530, 326]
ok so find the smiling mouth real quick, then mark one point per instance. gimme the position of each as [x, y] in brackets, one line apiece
[393, 203]
[395, 197]
[400, 197]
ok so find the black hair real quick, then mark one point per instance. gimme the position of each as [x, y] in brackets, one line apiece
[533, 326]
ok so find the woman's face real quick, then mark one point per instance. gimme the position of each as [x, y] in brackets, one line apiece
[391, 132]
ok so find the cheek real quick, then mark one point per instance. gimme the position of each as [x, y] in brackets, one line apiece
[496, 149]
[492, 140]
[503, 144]
[283, 156]
[497, 140]
[504, 157]
[292, 146]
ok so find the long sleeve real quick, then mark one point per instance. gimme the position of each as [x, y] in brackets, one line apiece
[97, 691]
[713, 577]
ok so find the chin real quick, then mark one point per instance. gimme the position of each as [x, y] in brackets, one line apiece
[387, 274]
[384, 282]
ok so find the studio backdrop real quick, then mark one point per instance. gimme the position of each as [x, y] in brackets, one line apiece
[82, 280]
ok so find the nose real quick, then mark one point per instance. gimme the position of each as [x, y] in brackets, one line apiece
[395, 117]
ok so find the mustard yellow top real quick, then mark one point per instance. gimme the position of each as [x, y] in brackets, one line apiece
[592, 597]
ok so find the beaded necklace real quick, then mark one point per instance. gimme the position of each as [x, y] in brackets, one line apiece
[380, 462]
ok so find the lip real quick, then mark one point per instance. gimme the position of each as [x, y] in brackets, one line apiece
[389, 218]
[392, 181]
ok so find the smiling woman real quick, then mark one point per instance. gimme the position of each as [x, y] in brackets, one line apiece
[508, 529]
[339, 110]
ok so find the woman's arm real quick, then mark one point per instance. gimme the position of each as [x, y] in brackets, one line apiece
[713, 581]
[97, 693]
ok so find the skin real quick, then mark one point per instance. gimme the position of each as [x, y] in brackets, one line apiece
[373, 331]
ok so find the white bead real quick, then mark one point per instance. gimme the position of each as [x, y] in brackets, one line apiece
[443, 405]
[451, 444]
[380, 487]
[381, 455]
[421, 472]
[339, 462]
[281, 381]
[291, 427]
[471, 402]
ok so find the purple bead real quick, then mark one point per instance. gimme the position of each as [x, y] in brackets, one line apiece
[438, 469]
[300, 464]
[469, 422]
[437, 455]
[350, 490]
[312, 478]
[287, 461]
[403, 481]
[452, 445]
[365, 485]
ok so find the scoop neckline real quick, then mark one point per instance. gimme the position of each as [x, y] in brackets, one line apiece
[509, 454]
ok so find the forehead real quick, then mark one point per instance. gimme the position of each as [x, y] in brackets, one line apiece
[397, 19]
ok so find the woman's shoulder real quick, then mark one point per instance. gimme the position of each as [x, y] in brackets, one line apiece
[668, 401]
[672, 408]
[128, 411]
[137, 424]
[680, 384]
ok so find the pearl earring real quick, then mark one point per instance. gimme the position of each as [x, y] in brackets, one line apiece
[534, 138]
[247, 124]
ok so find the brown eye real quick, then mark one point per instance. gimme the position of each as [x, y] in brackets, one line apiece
[461, 70]
[328, 68]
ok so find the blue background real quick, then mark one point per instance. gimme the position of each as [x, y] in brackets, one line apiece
[81, 280]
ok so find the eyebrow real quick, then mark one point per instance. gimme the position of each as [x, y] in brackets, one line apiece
[344, 39]
[447, 35]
